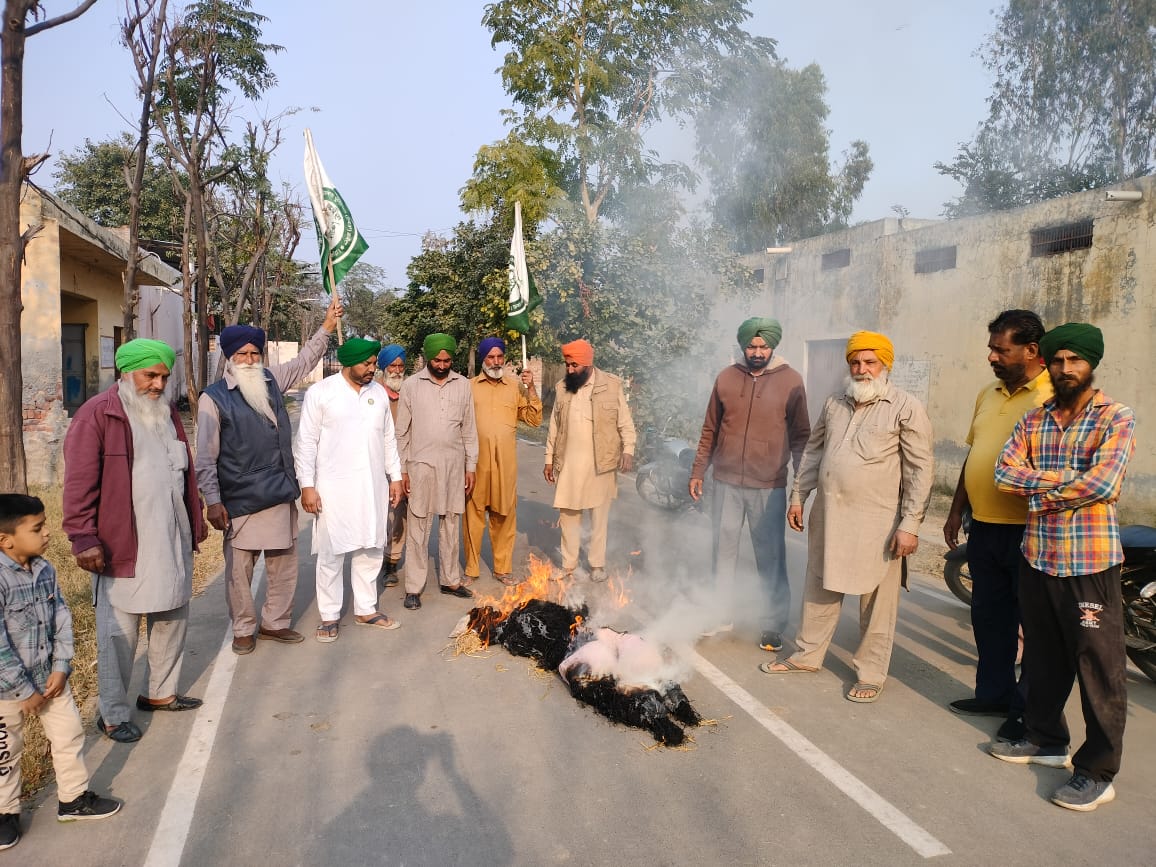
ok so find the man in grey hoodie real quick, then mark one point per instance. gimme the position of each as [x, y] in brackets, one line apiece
[756, 422]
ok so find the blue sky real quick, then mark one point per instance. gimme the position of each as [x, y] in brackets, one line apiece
[407, 92]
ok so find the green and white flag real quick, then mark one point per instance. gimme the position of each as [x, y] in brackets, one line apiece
[524, 295]
[340, 243]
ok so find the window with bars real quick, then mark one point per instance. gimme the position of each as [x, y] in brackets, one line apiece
[760, 276]
[935, 259]
[1062, 239]
[836, 259]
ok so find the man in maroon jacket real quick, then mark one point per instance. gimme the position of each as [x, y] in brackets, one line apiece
[756, 422]
[134, 516]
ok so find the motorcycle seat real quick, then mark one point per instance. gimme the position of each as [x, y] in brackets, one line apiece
[1138, 536]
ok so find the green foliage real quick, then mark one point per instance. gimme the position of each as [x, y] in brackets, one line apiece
[510, 171]
[763, 143]
[1073, 105]
[366, 296]
[95, 179]
[589, 77]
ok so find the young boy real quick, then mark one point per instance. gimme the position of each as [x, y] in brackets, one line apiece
[35, 661]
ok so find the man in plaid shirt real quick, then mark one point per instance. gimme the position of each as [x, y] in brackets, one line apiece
[1068, 458]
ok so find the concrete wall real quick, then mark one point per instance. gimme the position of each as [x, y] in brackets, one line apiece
[938, 320]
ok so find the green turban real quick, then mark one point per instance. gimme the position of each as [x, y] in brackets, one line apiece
[356, 350]
[435, 343]
[142, 352]
[768, 329]
[1087, 341]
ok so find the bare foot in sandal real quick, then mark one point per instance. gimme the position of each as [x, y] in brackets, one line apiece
[784, 666]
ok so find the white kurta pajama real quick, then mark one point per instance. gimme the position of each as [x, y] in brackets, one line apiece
[345, 448]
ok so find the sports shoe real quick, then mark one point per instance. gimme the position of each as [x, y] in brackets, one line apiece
[1083, 793]
[1024, 752]
[9, 830]
[88, 806]
[975, 707]
[772, 641]
[1012, 729]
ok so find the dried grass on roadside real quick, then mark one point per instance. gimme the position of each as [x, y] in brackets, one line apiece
[76, 585]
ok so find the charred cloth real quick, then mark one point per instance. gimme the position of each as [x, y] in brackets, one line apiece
[657, 712]
[539, 629]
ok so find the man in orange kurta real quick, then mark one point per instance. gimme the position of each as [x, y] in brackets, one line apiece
[499, 404]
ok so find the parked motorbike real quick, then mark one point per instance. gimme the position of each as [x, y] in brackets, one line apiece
[1138, 587]
[663, 481]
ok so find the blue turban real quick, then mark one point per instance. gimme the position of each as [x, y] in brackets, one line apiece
[236, 336]
[489, 345]
[389, 355]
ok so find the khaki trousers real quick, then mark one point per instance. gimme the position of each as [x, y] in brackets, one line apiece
[417, 533]
[280, 585]
[395, 532]
[570, 521]
[877, 615]
[503, 532]
[65, 733]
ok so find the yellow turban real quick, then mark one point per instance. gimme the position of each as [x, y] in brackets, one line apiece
[877, 343]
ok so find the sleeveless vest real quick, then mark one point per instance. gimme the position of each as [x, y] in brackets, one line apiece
[255, 464]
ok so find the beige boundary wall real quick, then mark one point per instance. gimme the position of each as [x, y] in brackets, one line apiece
[938, 320]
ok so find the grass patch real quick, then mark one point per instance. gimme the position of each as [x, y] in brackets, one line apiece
[76, 585]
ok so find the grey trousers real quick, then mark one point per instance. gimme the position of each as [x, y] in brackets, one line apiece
[417, 533]
[765, 512]
[117, 633]
[280, 585]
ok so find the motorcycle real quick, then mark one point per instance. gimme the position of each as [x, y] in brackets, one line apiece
[1137, 584]
[663, 481]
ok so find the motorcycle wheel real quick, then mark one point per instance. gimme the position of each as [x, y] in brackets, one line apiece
[958, 580]
[1145, 660]
[654, 494]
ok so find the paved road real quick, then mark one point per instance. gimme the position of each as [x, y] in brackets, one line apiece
[382, 749]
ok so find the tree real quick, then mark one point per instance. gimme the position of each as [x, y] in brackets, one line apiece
[589, 78]
[365, 295]
[14, 170]
[1073, 105]
[764, 147]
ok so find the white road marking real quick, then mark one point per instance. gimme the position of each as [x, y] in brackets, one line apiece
[177, 816]
[938, 594]
[842, 779]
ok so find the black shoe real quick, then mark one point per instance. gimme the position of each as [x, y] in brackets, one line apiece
[461, 591]
[1012, 729]
[391, 580]
[388, 573]
[772, 641]
[123, 733]
[412, 601]
[9, 830]
[88, 806]
[178, 702]
[975, 707]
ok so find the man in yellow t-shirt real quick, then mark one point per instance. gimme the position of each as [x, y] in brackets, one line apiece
[998, 519]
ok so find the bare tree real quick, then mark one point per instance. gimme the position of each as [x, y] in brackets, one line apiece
[14, 169]
[142, 32]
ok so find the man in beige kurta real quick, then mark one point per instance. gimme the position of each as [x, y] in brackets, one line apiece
[870, 459]
[591, 438]
[499, 404]
[255, 526]
[438, 441]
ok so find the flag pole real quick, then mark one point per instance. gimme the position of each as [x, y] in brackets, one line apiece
[340, 333]
[525, 361]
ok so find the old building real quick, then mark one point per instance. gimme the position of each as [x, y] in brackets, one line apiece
[933, 286]
[73, 293]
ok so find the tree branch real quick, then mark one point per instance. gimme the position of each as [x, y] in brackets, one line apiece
[60, 19]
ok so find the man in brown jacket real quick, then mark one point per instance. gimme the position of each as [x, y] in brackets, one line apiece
[756, 422]
[591, 438]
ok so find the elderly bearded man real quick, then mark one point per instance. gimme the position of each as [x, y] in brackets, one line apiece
[869, 457]
[346, 456]
[134, 516]
[391, 364]
[1068, 458]
[439, 452]
[755, 425]
[499, 404]
[591, 438]
[245, 472]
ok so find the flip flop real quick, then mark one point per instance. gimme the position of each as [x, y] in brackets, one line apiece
[873, 688]
[379, 620]
[326, 632]
[788, 667]
[508, 580]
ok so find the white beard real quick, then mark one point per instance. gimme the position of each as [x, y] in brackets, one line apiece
[866, 390]
[494, 372]
[144, 413]
[251, 382]
[393, 383]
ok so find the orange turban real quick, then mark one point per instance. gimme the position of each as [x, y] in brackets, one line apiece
[877, 343]
[579, 352]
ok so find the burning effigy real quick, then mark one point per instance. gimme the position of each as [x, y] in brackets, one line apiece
[622, 676]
